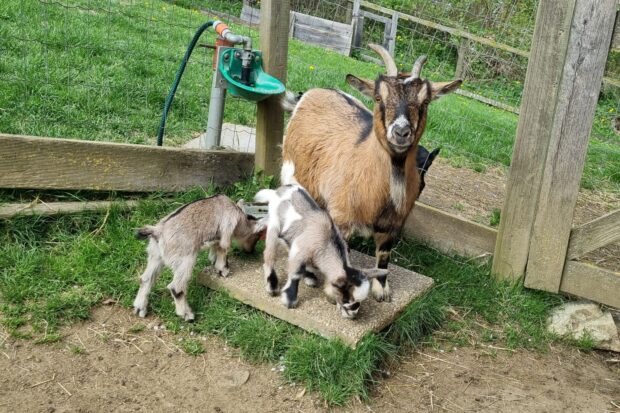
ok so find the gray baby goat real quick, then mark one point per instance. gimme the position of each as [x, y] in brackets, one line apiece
[177, 239]
[314, 243]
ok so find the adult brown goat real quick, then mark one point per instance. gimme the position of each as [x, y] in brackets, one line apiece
[361, 165]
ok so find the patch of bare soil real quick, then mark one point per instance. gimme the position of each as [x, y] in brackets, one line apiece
[105, 365]
[475, 195]
[495, 380]
[101, 366]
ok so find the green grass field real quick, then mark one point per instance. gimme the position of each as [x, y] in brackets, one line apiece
[102, 72]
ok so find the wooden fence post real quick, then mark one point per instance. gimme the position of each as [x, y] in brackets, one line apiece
[391, 43]
[570, 43]
[588, 46]
[358, 25]
[461, 62]
[273, 29]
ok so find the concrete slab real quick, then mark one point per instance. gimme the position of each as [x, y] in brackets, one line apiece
[314, 313]
[237, 137]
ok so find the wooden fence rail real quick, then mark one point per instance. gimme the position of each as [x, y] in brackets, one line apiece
[51, 163]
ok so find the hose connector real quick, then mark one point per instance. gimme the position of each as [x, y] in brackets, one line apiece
[224, 31]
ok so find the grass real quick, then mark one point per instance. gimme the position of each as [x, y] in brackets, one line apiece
[53, 270]
[101, 72]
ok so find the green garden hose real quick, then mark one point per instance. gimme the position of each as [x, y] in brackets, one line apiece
[177, 79]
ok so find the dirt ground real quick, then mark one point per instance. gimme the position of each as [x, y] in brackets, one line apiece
[474, 195]
[100, 365]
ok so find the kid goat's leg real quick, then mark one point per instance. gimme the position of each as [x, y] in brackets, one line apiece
[221, 259]
[269, 258]
[148, 278]
[182, 268]
[383, 244]
[296, 271]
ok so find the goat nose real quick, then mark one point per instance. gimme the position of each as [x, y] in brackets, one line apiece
[402, 133]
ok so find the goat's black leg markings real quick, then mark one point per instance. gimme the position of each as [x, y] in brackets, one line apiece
[176, 294]
[311, 278]
[384, 243]
[291, 293]
[272, 279]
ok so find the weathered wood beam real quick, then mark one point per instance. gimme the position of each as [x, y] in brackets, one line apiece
[8, 211]
[594, 234]
[274, 28]
[53, 163]
[449, 233]
[583, 66]
[591, 282]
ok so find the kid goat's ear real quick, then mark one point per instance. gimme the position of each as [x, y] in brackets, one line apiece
[375, 272]
[365, 86]
[439, 89]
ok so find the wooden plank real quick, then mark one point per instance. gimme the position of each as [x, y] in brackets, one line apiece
[594, 234]
[580, 85]
[615, 40]
[323, 24]
[487, 100]
[446, 29]
[250, 14]
[373, 16]
[449, 233]
[591, 282]
[358, 26]
[543, 75]
[50, 163]
[612, 82]
[461, 61]
[8, 211]
[339, 42]
[274, 28]
[393, 31]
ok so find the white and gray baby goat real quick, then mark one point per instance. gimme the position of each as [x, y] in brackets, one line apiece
[177, 239]
[314, 244]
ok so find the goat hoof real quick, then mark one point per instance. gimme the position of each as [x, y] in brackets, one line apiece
[140, 312]
[381, 292]
[224, 272]
[288, 303]
[189, 318]
[272, 292]
[311, 281]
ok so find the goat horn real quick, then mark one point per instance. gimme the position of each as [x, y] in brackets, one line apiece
[417, 68]
[387, 59]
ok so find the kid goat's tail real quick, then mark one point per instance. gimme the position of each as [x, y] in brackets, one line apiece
[146, 232]
[264, 196]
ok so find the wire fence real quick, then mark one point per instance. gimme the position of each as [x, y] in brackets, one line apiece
[100, 70]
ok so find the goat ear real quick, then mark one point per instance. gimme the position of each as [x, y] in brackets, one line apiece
[365, 86]
[439, 89]
[375, 272]
[433, 155]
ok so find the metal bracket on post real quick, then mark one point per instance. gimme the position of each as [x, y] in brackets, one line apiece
[211, 138]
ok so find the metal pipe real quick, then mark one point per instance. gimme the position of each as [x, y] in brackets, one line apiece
[213, 134]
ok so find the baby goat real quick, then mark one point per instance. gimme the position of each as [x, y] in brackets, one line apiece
[315, 244]
[177, 239]
[360, 165]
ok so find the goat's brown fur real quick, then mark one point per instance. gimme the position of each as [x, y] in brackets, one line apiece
[361, 165]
